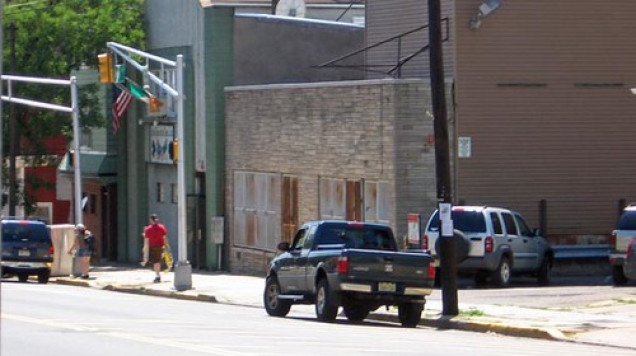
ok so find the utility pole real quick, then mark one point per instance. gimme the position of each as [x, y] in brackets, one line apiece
[448, 259]
[13, 139]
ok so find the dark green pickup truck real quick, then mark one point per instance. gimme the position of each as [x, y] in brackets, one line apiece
[350, 264]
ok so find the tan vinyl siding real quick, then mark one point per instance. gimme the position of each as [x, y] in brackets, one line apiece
[385, 19]
[542, 89]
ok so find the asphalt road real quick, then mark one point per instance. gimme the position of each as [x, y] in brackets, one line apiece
[64, 320]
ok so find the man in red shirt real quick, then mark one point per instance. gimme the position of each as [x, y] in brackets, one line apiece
[157, 236]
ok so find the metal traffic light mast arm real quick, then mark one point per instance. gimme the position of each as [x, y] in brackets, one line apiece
[74, 109]
[182, 270]
[121, 50]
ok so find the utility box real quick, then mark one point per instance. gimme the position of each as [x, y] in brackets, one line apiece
[62, 236]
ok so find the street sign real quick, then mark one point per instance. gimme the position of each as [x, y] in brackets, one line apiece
[414, 231]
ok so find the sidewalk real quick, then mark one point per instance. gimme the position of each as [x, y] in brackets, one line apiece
[613, 324]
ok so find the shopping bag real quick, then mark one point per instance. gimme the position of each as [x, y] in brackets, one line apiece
[167, 257]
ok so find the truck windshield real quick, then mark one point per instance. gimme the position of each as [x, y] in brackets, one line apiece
[366, 238]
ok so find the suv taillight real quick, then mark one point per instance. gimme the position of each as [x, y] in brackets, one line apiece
[488, 244]
[612, 240]
[424, 244]
[431, 271]
[343, 265]
[51, 250]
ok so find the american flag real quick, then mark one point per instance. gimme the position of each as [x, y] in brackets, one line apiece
[121, 104]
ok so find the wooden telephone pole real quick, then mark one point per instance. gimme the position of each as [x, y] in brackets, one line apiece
[448, 264]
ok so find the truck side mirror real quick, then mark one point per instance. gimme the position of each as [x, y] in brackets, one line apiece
[283, 246]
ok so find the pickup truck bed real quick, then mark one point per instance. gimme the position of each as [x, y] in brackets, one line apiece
[352, 265]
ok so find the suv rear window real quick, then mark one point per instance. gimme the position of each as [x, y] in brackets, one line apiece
[627, 220]
[466, 221]
[16, 231]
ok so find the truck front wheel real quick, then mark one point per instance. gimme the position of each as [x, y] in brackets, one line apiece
[326, 308]
[274, 306]
[410, 314]
[618, 276]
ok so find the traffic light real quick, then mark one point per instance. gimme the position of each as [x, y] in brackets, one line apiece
[173, 150]
[154, 104]
[105, 66]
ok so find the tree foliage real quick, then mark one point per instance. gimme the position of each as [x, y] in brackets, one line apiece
[54, 37]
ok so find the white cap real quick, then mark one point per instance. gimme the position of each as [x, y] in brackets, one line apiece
[80, 227]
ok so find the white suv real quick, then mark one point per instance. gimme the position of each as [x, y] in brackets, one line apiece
[622, 256]
[501, 244]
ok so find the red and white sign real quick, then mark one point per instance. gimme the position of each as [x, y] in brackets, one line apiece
[414, 229]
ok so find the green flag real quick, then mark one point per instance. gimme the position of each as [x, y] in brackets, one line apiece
[120, 73]
[138, 91]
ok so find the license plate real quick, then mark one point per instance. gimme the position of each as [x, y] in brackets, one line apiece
[24, 253]
[386, 287]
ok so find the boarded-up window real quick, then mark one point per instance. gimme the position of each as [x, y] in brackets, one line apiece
[354, 201]
[332, 199]
[376, 202]
[257, 209]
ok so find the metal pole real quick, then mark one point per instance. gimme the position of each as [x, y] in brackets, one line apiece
[183, 269]
[76, 156]
[13, 139]
[1, 123]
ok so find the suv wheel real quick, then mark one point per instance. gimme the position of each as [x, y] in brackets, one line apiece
[23, 277]
[545, 271]
[481, 278]
[618, 277]
[501, 276]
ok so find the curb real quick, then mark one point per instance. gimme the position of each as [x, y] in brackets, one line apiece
[447, 323]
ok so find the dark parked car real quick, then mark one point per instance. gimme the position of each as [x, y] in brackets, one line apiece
[353, 265]
[27, 250]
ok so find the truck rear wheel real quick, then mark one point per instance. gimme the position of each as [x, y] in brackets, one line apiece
[410, 314]
[355, 311]
[618, 276]
[326, 309]
[23, 277]
[274, 306]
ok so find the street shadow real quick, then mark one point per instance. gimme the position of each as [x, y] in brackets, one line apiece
[341, 320]
[468, 283]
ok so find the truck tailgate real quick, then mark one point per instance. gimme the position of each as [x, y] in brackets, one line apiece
[389, 266]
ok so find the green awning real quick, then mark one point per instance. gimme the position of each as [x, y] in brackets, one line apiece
[98, 165]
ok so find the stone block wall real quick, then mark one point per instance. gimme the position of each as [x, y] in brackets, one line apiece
[372, 130]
